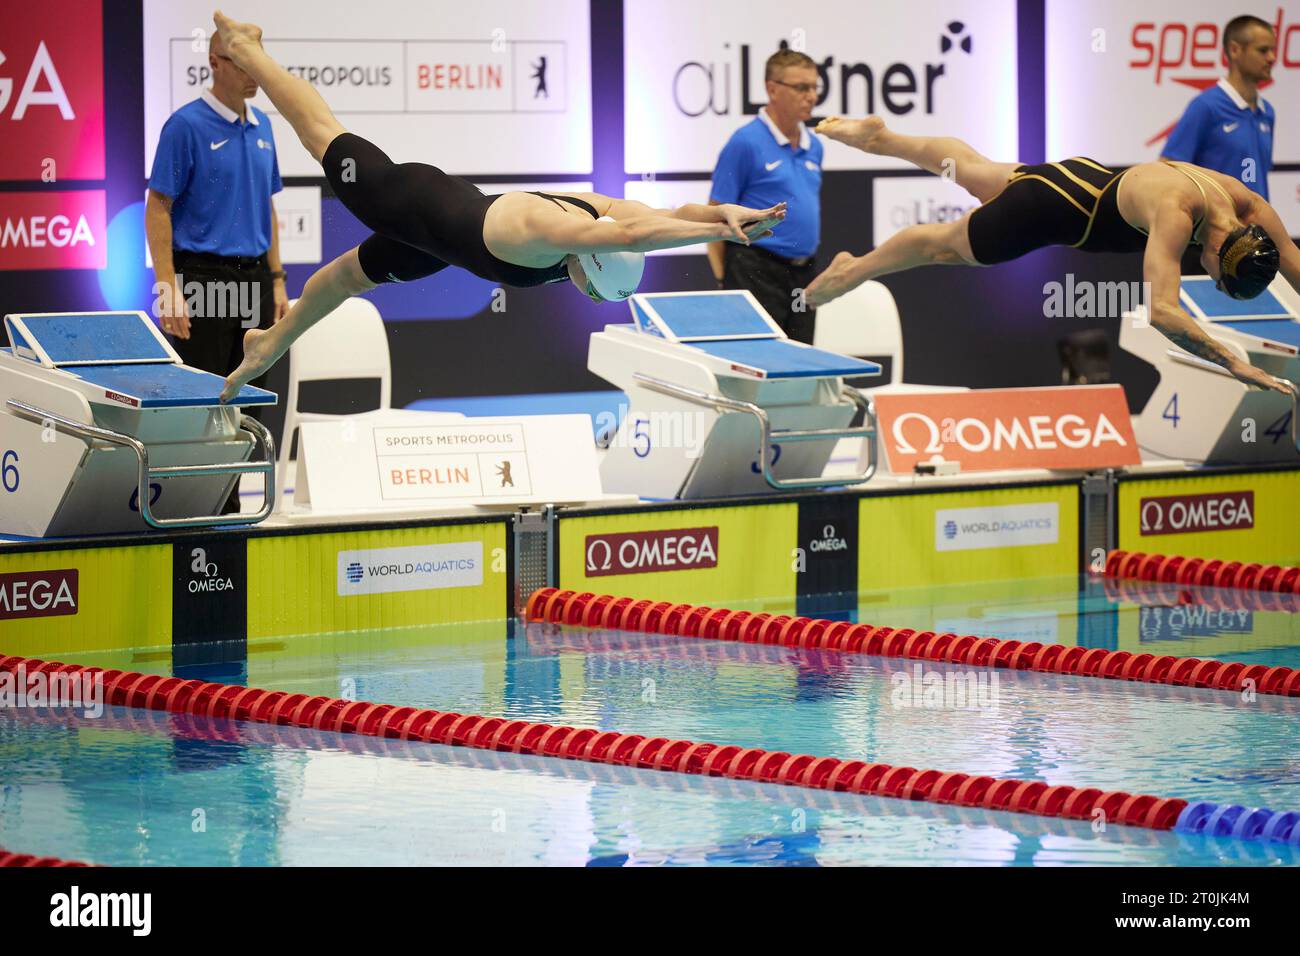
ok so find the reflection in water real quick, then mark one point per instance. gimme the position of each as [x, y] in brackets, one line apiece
[140, 787]
[277, 795]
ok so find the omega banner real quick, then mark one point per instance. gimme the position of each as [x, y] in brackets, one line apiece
[1152, 58]
[491, 87]
[694, 72]
[741, 553]
[996, 429]
[1234, 516]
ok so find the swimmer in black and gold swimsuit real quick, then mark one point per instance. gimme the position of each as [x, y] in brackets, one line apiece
[1071, 203]
[1076, 203]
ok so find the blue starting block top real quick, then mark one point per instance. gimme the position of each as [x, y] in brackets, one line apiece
[1263, 317]
[1208, 302]
[166, 385]
[122, 353]
[781, 358]
[732, 326]
[1275, 330]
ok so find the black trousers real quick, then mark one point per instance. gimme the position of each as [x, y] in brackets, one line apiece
[225, 297]
[773, 281]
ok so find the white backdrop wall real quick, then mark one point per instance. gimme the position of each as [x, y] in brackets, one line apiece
[693, 72]
[1119, 73]
[449, 83]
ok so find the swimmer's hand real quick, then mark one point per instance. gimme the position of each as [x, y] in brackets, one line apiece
[258, 357]
[744, 225]
[1245, 372]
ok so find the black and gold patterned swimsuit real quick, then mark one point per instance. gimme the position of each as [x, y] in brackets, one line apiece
[1071, 203]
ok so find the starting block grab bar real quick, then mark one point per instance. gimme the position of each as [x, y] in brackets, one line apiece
[94, 433]
[1195, 361]
[768, 437]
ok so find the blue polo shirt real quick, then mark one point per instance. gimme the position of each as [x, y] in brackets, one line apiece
[1219, 130]
[759, 167]
[220, 173]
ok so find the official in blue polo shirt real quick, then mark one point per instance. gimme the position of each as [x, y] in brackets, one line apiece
[211, 226]
[1229, 127]
[775, 159]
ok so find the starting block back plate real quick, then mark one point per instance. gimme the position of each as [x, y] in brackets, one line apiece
[703, 316]
[88, 338]
[1204, 301]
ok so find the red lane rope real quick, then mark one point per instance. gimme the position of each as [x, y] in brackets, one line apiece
[154, 692]
[1175, 569]
[26, 859]
[694, 620]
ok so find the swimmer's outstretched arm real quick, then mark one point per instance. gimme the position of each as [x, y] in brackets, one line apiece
[568, 234]
[737, 217]
[328, 288]
[1162, 269]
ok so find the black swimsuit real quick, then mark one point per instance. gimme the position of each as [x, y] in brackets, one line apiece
[423, 219]
[1071, 203]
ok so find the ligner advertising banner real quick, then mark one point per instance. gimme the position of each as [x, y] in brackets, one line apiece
[694, 72]
[1120, 74]
[491, 87]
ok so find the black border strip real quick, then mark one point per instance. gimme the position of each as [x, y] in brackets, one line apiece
[1081, 503]
[509, 545]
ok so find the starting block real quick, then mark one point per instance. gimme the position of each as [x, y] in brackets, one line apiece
[721, 402]
[103, 429]
[1199, 412]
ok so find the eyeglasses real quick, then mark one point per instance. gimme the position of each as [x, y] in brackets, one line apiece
[803, 89]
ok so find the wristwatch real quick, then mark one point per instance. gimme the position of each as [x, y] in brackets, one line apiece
[278, 274]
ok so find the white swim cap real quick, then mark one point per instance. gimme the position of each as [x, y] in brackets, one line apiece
[612, 275]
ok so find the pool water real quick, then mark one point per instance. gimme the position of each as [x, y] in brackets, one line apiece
[137, 787]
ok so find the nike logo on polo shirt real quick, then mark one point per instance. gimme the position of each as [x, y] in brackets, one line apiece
[1229, 127]
[772, 165]
[216, 146]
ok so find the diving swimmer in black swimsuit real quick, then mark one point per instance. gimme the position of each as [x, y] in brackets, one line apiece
[425, 220]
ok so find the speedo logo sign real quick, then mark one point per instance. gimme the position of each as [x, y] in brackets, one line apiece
[1181, 514]
[1005, 526]
[641, 552]
[417, 568]
[38, 594]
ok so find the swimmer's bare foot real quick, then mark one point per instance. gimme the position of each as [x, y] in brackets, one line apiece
[858, 133]
[259, 355]
[237, 37]
[838, 278]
